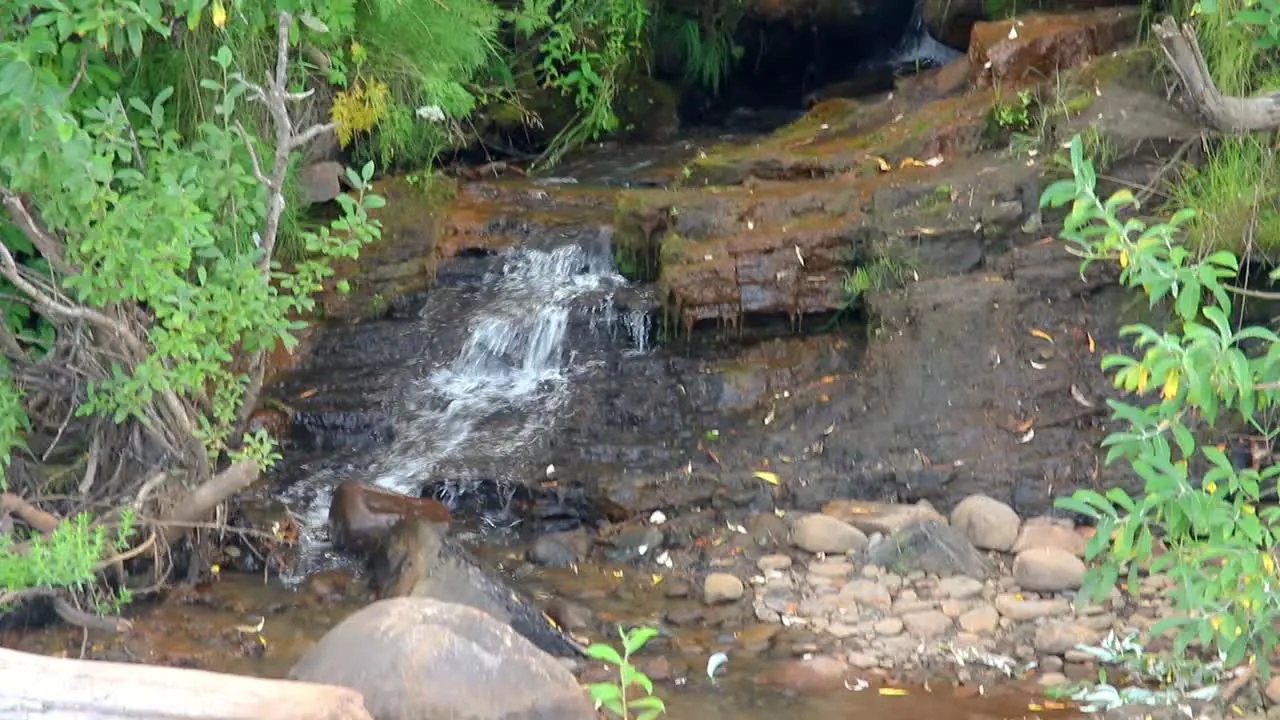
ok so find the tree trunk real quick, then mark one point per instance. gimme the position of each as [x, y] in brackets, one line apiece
[36, 687]
[1220, 112]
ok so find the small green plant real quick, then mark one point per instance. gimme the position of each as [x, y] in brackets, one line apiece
[613, 695]
[1014, 115]
[1218, 544]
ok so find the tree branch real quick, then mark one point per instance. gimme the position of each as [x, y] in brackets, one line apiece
[199, 502]
[46, 243]
[1221, 112]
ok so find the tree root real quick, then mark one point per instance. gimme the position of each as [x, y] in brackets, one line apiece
[1221, 112]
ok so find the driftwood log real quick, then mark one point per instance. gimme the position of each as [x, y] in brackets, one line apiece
[1219, 112]
[46, 688]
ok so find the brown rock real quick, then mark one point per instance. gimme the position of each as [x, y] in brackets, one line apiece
[926, 624]
[868, 592]
[988, 523]
[722, 588]
[816, 675]
[1048, 570]
[360, 516]
[1020, 609]
[951, 21]
[1046, 43]
[1047, 532]
[1272, 690]
[322, 181]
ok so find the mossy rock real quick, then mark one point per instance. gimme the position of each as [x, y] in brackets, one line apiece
[648, 110]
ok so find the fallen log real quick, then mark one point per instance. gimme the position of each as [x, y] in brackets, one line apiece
[36, 686]
[1223, 113]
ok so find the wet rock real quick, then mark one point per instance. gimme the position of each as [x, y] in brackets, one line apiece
[1053, 679]
[1049, 532]
[572, 616]
[830, 569]
[951, 21]
[770, 563]
[675, 588]
[422, 659]
[1019, 609]
[884, 518]
[863, 660]
[331, 586]
[722, 588]
[815, 675]
[988, 523]
[1048, 570]
[418, 560]
[657, 668]
[932, 547]
[360, 516]
[926, 624]
[685, 616]
[981, 620]
[560, 549]
[1057, 638]
[1047, 43]
[819, 533]
[633, 542]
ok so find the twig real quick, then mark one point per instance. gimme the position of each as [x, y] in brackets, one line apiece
[35, 517]
[80, 618]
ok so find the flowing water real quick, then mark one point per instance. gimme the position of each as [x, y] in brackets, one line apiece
[478, 412]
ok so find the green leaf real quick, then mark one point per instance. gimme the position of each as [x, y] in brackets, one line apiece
[313, 23]
[637, 638]
[600, 651]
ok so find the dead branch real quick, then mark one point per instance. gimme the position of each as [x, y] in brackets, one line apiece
[1220, 112]
[44, 241]
[28, 513]
[207, 496]
[75, 616]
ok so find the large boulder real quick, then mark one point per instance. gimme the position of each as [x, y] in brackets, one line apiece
[360, 516]
[416, 658]
[419, 560]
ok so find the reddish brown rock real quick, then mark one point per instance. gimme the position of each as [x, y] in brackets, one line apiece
[361, 515]
[1044, 43]
[815, 675]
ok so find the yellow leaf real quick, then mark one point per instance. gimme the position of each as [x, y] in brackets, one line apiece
[1211, 487]
[219, 14]
[912, 162]
[892, 691]
[884, 164]
[1033, 707]
[617, 573]
[1170, 390]
[656, 578]
[1268, 563]
[1037, 332]
[771, 478]
[1124, 259]
[1144, 377]
[215, 569]
[1092, 345]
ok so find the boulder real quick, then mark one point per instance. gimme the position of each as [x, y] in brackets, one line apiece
[419, 560]
[416, 658]
[932, 547]
[1036, 45]
[988, 523]
[820, 533]
[1047, 569]
[951, 21]
[360, 516]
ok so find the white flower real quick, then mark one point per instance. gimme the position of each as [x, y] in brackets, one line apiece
[431, 113]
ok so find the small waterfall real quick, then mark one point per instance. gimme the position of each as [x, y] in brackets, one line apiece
[483, 411]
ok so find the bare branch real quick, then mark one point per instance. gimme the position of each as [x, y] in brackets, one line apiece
[207, 496]
[46, 243]
[253, 155]
[74, 616]
[1222, 112]
[310, 134]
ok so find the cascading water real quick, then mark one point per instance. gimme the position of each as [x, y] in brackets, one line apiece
[918, 46]
[480, 413]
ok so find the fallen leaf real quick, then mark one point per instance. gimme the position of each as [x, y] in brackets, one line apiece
[617, 574]
[824, 398]
[893, 691]
[911, 162]
[256, 628]
[308, 393]
[1037, 365]
[934, 161]
[828, 379]
[1031, 434]
[1037, 332]
[715, 458]
[1092, 345]
[768, 477]
[1079, 397]
[656, 578]
[884, 164]
[1025, 425]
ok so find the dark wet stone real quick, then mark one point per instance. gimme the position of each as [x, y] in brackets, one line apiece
[560, 549]
[932, 547]
[676, 588]
[418, 560]
[684, 617]
[633, 543]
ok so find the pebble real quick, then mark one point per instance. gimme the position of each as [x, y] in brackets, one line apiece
[722, 588]
[988, 523]
[981, 620]
[1048, 570]
[862, 660]
[868, 592]
[888, 627]
[675, 589]
[926, 624]
[820, 533]
[1053, 679]
[953, 608]
[1051, 663]
[1022, 609]
[959, 587]
[769, 563]
[831, 569]
[1057, 638]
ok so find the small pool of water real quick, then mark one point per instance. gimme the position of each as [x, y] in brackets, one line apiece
[211, 628]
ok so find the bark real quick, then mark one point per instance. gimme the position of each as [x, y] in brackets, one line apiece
[1220, 112]
[36, 686]
[202, 500]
